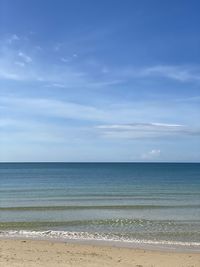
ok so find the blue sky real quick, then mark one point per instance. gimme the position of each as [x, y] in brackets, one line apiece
[99, 80]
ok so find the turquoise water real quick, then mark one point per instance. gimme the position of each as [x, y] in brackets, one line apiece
[156, 203]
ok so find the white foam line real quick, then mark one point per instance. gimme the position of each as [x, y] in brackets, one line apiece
[90, 237]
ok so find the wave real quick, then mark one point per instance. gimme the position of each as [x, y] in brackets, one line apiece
[66, 235]
[44, 208]
[122, 222]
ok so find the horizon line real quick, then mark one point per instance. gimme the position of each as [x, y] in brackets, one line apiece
[99, 162]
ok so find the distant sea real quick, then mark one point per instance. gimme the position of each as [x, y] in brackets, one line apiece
[130, 203]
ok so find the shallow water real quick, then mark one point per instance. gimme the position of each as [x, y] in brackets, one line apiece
[157, 203]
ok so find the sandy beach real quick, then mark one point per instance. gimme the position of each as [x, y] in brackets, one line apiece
[28, 253]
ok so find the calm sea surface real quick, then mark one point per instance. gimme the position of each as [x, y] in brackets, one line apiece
[152, 203]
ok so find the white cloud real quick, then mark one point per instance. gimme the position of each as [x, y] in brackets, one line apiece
[68, 76]
[151, 155]
[48, 107]
[57, 47]
[166, 125]
[145, 130]
[71, 76]
[59, 85]
[39, 71]
[26, 58]
[10, 75]
[106, 116]
[31, 131]
[13, 38]
[179, 73]
[52, 108]
[63, 76]
[21, 64]
[155, 152]
[38, 48]
[68, 59]
[142, 126]
[65, 60]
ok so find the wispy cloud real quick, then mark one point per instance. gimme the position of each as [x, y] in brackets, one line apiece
[74, 73]
[189, 99]
[30, 67]
[12, 38]
[65, 60]
[21, 64]
[57, 47]
[39, 71]
[25, 57]
[179, 73]
[13, 60]
[145, 130]
[52, 108]
[8, 75]
[33, 131]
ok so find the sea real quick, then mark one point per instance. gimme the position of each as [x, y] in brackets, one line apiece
[134, 204]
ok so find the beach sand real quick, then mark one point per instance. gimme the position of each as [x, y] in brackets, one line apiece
[28, 253]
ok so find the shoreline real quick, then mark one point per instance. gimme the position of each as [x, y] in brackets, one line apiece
[100, 239]
[110, 243]
[26, 252]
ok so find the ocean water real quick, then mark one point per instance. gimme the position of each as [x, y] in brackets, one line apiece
[135, 203]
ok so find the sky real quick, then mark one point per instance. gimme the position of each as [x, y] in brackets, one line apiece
[100, 81]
